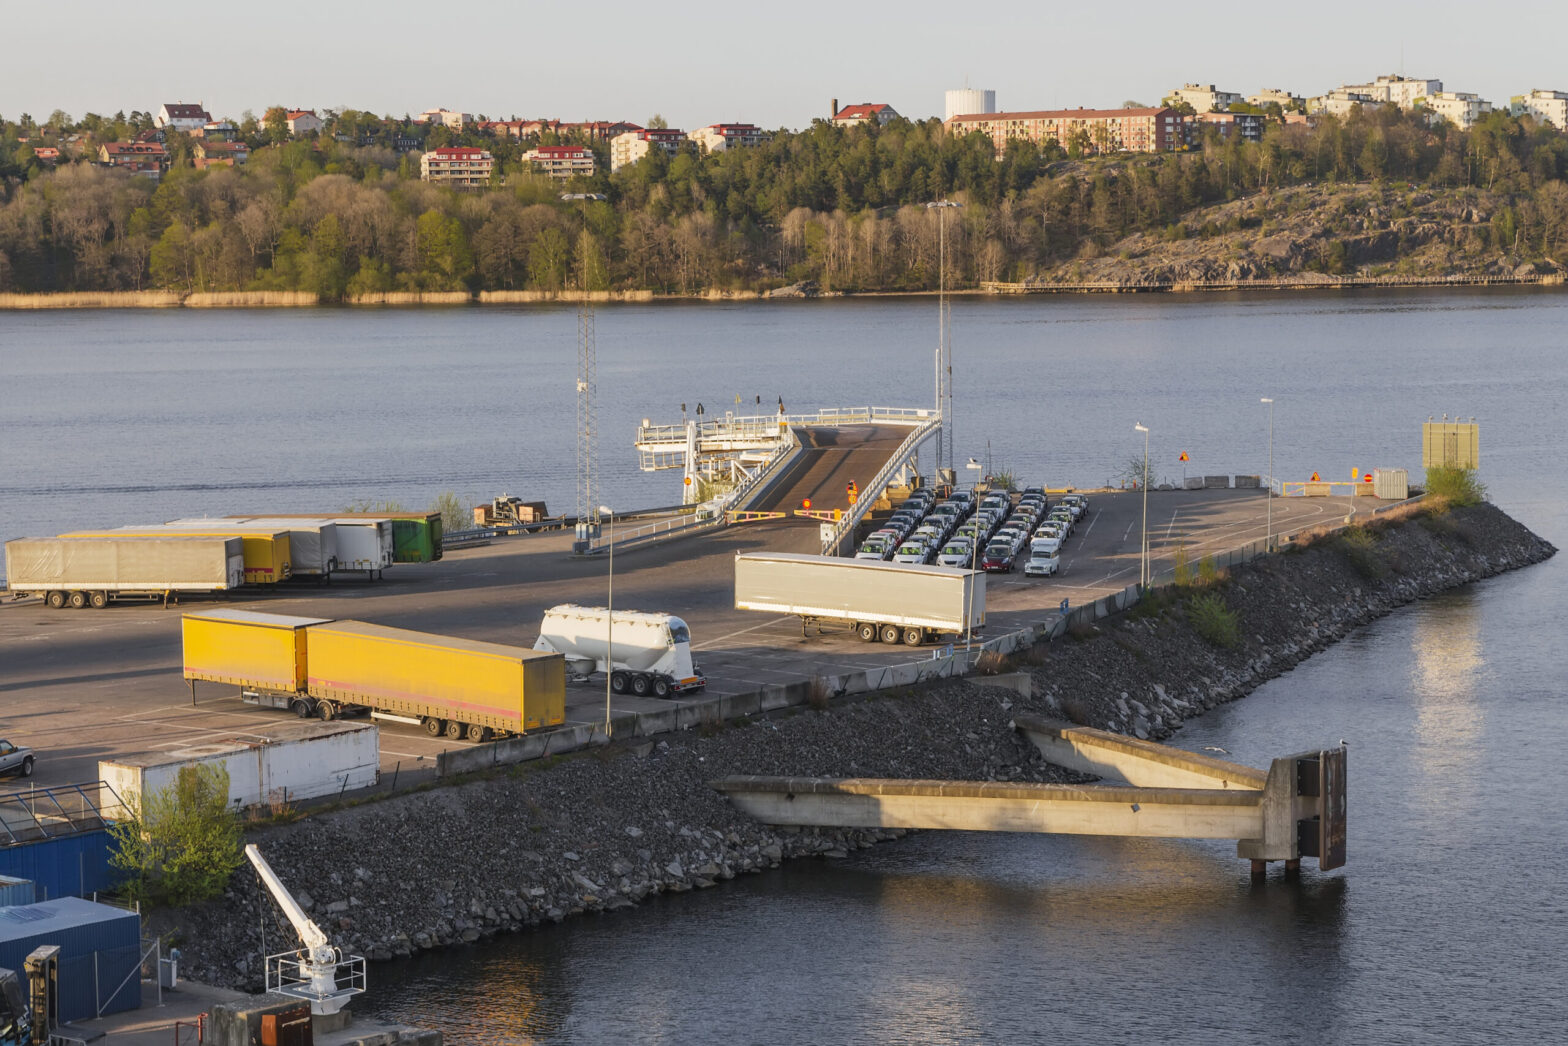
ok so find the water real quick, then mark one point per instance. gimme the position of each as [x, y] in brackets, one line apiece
[1445, 927]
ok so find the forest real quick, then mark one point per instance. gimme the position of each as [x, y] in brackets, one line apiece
[343, 213]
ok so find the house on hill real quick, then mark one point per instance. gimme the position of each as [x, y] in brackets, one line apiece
[182, 117]
[854, 115]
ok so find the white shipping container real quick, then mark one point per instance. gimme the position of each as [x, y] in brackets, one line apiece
[1391, 484]
[291, 761]
[313, 544]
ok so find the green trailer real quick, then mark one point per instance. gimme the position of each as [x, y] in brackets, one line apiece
[416, 536]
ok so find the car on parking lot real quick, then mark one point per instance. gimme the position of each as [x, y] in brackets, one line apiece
[929, 533]
[1044, 560]
[998, 558]
[1027, 491]
[956, 554]
[1001, 501]
[1078, 503]
[1064, 516]
[872, 548]
[1045, 534]
[912, 552]
[16, 759]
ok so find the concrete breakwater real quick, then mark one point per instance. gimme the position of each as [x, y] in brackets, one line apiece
[607, 828]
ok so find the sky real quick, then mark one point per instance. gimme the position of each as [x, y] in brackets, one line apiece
[703, 62]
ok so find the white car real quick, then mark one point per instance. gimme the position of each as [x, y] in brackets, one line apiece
[912, 552]
[1078, 503]
[956, 554]
[1043, 562]
[1047, 537]
[1064, 516]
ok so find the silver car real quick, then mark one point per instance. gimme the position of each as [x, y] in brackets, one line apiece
[15, 759]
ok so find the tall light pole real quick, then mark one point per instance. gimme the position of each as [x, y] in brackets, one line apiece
[1268, 490]
[974, 551]
[609, 623]
[944, 346]
[1143, 550]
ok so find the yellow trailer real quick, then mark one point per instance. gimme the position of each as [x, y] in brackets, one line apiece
[267, 558]
[256, 652]
[456, 687]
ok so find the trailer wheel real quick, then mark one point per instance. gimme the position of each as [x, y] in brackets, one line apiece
[56, 600]
[99, 600]
[78, 600]
[661, 687]
[478, 733]
[301, 708]
[327, 711]
[454, 730]
[889, 633]
[618, 682]
[433, 726]
[867, 631]
[640, 685]
[914, 636]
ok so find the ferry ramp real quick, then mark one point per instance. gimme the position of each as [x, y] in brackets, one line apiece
[830, 457]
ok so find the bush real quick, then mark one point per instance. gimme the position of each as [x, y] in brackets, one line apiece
[1181, 571]
[1208, 573]
[1455, 486]
[1213, 620]
[181, 843]
[454, 514]
[1360, 548]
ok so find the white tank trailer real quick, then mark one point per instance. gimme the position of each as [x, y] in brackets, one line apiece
[644, 653]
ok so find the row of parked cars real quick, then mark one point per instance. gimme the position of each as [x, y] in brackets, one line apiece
[990, 533]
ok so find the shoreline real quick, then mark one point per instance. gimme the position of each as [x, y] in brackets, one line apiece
[604, 829]
[74, 300]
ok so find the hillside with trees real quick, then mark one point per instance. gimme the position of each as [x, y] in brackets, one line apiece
[343, 213]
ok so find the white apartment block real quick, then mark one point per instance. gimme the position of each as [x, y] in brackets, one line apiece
[459, 166]
[1403, 91]
[716, 138]
[1340, 101]
[446, 118]
[626, 149]
[1545, 106]
[1460, 108]
[561, 161]
[1203, 99]
[1274, 96]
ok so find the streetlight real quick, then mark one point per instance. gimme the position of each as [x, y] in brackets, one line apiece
[609, 623]
[974, 551]
[1268, 539]
[944, 349]
[1143, 552]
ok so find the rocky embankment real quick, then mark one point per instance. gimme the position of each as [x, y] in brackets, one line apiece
[608, 828]
[1317, 234]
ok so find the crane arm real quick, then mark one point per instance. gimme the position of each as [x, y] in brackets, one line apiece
[308, 931]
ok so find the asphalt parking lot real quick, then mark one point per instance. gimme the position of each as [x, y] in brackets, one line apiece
[84, 685]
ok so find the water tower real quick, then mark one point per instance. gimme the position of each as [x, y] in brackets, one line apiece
[966, 101]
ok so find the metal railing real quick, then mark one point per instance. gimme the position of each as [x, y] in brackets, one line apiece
[759, 425]
[931, 422]
[49, 813]
[787, 447]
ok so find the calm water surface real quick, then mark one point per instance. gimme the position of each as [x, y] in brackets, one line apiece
[1447, 924]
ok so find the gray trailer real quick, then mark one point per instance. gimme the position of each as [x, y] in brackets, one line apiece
[890, 602]
[313, 543]
[93, 571]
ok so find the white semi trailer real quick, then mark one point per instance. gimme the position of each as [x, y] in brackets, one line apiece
[644, 653]
[893, 602]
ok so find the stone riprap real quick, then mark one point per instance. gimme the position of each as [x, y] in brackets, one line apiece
[606, 828]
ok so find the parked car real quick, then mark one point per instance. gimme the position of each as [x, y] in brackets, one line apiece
[956, 554]
[912, 552]
[872, 548]
[1078, 503]
[1045, 559]
[1047, 533]
[1064, 516]
[998, 558]
[16, 759]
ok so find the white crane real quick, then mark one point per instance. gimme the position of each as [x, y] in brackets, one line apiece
[313, 971]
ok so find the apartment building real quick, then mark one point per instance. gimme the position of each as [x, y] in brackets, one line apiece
[1095, 130]
[715, 138]
[1460, 108]
[1545, 106]
[597, 130]
[446, 117]
[459, 166]
[1246, 126]
[1340, 101]
[1274, 96]
[1203, 99]
[561, 161]
[1403, 91]
[628, 148]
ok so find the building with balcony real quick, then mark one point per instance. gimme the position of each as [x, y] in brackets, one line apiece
[1341, 101]
[459, 166]
[1246, 126]
[1203, 99]
[562, 161]
[1274, 96]
[715, 138]
[628, 148]
[1460, 108]
[1091, 130]
[1403, 91]
[1544, 106]
[446, 118]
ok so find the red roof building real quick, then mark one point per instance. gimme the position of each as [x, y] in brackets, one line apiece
[562, 161]
[182, 117]
[461, 166]
[718, 137]
[851, 115]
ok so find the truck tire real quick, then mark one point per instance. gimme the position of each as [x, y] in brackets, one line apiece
[301, 708]
[433, 726]
[867, 631]
[618, 682]
[641, 685]
[661, 686]
[327, 711]
[454, 730]
[77, 600]
[99, 600]
[914, 636]
[477, 733]
[890, 633]
[56, 600]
